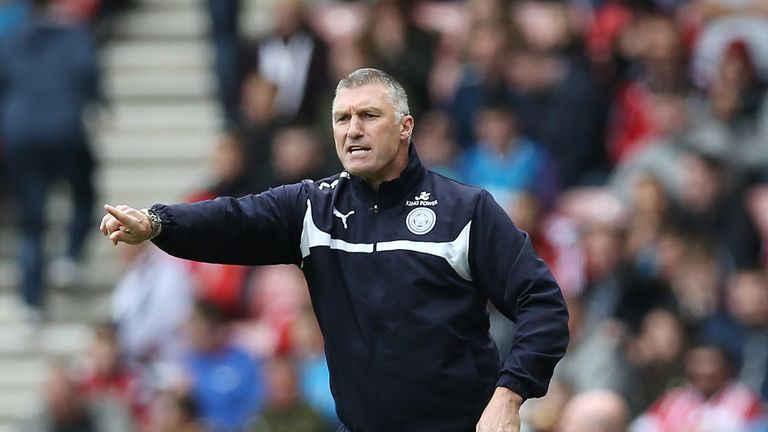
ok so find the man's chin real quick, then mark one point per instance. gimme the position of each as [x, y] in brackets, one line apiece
[356, 170]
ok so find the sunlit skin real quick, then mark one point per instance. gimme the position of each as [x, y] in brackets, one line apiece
[369, 142]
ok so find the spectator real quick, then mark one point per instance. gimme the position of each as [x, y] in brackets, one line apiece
[550, 83]
[105, 376]
[66, 410]
[229, 169]
[606, 275]
[595, 358]
[651, 209]
[556, 239]
[260, 123]
[486, 11]
[224, 381]
[297, 155]
[718, 24]
[436, 143]
[659, 154]
[279, 294]
[224, 31]
[45, 139]
[733, 119]
[642, 292]
[653, 45]
[710, 400]
[149, 304]
[696, 283]
[655, 356]
[313, 372]
[285, 410]
[482, 78]
[397, 45]
[505, 162]
[743, 326]
[542, 415]
[295, 59]
[592, 411]
[714, 208]
[284, 152]
[346, 55]
[175, 413]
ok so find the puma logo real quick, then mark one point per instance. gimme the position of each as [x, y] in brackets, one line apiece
[326, 185]
[342, 216]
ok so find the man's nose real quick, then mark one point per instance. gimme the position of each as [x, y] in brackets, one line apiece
[355, 127]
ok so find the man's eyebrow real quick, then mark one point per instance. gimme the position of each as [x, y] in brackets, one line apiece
[370, 108]
[366, 108]
[339, 113]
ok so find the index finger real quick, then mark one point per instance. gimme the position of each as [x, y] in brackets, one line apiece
[121, 216]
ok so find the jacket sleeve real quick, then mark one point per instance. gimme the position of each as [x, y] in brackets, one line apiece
[252, 230]
[520, 286]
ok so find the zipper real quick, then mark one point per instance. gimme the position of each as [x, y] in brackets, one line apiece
[375, 209]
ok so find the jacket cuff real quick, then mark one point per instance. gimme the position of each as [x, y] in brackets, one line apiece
[166, 220]
[514, 384]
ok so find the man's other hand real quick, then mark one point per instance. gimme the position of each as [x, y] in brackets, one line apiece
[502, 414]
[125, 224]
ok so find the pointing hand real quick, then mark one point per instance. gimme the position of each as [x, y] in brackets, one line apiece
[125, 224]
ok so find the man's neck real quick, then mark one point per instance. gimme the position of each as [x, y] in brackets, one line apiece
[398, 167]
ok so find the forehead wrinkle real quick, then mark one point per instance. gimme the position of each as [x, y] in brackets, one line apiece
[378, 97]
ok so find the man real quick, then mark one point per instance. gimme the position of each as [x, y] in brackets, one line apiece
[45, 139]
[595, 410]
[711, 400]
[226, 404]
[400, 264]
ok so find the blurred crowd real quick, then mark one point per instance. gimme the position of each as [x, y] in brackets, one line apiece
[628, 138]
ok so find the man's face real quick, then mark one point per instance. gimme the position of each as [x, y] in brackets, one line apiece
[369, 143]
[707, 370]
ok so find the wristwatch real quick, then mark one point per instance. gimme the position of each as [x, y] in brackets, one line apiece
[155, 221]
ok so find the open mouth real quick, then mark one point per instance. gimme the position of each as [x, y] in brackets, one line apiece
[357, 149]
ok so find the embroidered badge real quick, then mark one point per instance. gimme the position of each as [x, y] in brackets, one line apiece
[420, 220]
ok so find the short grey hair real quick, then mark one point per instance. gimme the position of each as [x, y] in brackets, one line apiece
[369, 76]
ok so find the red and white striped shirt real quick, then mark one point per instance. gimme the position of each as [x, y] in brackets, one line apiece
[685, 409]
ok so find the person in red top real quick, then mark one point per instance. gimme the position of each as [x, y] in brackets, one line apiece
[710, 401]
[105, 376]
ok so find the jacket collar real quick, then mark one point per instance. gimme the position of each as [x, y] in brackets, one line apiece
[393, 191]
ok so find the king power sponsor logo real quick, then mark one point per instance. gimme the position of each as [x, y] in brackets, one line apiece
[422, 200]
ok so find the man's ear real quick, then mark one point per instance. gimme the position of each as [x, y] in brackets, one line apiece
[406, 127]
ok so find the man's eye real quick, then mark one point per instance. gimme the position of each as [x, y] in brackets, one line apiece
[369, 115]
[342, 119]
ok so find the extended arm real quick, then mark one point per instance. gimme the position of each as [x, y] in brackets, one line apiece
[252, 230]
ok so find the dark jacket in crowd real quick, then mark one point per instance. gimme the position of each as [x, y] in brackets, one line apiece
[48, 74]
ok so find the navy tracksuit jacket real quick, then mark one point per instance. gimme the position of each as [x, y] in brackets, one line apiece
[399, 280]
